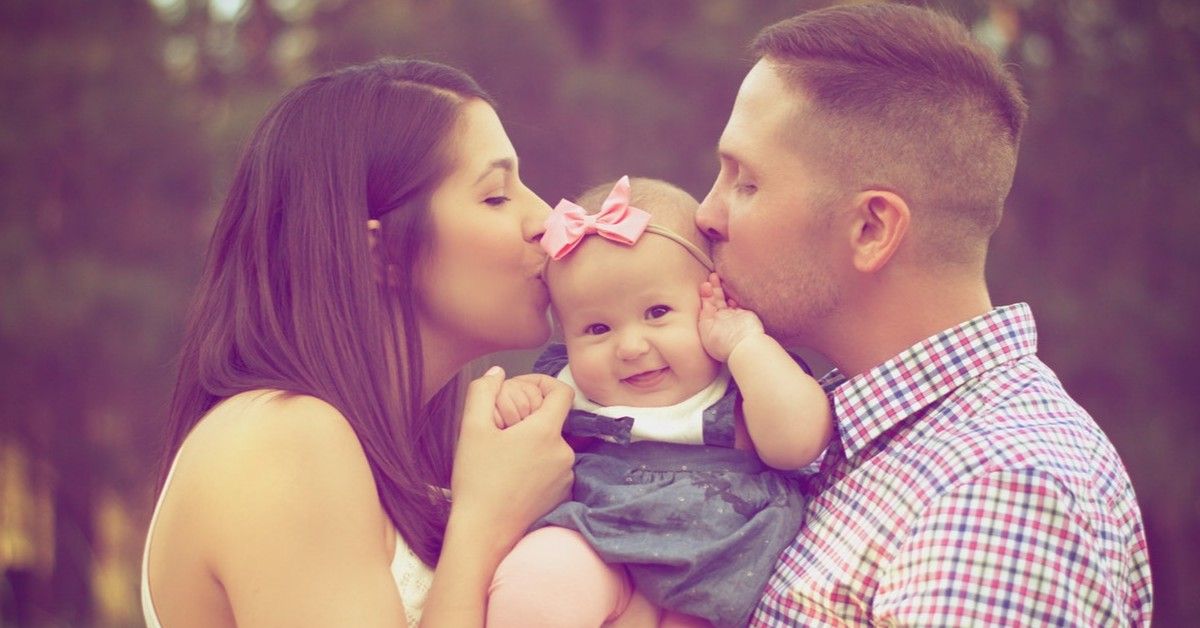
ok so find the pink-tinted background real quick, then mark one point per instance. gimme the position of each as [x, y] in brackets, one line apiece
[120, 121]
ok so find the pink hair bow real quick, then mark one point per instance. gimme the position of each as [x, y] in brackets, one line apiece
[569, 223]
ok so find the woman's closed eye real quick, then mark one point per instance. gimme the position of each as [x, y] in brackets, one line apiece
[657, 311]
[596, 329]
[496, 201]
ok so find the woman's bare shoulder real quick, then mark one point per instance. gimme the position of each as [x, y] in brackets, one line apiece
[276, 502]
[263, 427]
[276, 461]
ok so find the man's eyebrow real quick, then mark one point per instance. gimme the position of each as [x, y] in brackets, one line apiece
[506, 164]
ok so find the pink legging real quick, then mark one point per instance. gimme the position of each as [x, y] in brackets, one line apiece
[552, 578]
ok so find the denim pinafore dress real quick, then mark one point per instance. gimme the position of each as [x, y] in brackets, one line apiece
[699, 527]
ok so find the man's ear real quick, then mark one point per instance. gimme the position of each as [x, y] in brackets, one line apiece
[880, 224]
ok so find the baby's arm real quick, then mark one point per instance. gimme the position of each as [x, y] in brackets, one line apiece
[787, 413]
[519, 396]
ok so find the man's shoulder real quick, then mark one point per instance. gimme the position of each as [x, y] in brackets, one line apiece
[1023, 397]
[1019, 417]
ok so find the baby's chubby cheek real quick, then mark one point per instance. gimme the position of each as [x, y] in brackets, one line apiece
[594, 379]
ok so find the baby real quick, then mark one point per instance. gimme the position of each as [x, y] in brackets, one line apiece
[680, 400]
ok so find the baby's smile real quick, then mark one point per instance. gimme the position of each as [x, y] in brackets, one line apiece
[647, 379]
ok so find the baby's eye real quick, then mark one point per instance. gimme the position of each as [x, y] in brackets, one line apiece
[496, 201]
[596, 329]
[657, 311]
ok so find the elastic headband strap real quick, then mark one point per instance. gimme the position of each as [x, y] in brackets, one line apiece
[696, 251]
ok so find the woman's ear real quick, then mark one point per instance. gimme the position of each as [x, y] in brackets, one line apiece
[380, 269]
[374, 229]
[880, 224]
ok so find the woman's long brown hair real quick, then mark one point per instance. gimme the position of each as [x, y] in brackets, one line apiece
[290, 297]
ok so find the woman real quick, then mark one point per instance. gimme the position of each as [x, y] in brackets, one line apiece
[376, 238]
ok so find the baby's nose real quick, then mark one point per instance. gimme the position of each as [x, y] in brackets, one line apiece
[632, 346]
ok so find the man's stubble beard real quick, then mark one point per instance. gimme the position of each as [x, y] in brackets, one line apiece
[793, 304]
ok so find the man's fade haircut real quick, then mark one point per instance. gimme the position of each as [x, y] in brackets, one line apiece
[902, 98]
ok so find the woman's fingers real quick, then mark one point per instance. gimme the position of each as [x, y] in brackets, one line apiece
[503, 480]
[545, 426]
[480, 403]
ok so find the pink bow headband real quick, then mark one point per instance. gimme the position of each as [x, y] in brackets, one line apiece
[617, 220]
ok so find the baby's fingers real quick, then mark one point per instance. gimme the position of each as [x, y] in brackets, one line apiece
[718, 291]
[711, 300]
[507, 407]
[532, 398]
[556, 402]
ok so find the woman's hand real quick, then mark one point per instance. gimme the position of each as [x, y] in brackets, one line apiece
[503, 480]
[510, 477]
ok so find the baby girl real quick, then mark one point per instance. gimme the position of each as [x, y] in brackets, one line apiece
[680, 400]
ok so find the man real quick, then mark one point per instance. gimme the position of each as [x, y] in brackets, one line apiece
[863, 169]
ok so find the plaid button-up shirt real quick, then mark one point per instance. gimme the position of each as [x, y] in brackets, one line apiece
[965, 487]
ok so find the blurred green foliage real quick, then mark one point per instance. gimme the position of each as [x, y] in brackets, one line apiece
[120, 122]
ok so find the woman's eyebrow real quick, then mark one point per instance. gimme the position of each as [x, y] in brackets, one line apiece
[506, 164]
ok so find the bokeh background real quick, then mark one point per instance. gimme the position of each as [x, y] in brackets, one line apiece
[120, 122]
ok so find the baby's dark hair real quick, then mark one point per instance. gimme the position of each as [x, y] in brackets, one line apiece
[668, 206]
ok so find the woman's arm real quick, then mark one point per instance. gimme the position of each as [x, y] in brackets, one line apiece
[503, 480]
[787, 414]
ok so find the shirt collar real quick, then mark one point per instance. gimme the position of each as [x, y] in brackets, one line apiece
[871, 403]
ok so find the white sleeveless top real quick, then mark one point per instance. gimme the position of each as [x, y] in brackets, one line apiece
[412, 576]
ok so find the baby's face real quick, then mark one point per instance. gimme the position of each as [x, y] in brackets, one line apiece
[629, 317]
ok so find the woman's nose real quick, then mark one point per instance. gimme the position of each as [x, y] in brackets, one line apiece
[535, 218]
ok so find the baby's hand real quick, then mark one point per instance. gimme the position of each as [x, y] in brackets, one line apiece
[722, 323]
[519, 396]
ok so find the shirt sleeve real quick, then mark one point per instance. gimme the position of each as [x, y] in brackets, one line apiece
[1007, 548]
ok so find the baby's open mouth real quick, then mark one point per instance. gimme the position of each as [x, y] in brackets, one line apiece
[647, 378]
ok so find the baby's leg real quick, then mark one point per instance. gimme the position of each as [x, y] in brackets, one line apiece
[642, 613]
[553, 578]
[671, 619]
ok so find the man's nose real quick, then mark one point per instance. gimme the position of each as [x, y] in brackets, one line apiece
[710, 216]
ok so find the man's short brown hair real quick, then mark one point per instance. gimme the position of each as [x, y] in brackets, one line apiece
[902, 98]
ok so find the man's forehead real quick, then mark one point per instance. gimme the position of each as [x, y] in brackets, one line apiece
[768, 113]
